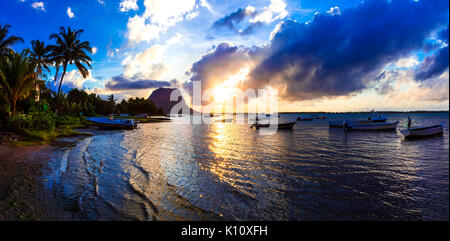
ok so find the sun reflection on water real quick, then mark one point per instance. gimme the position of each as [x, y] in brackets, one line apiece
[225, 162]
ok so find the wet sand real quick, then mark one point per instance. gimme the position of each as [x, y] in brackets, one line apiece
[22, 193]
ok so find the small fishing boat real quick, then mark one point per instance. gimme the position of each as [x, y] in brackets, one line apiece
[423, 131]
[108, 123]
[371, 126]
[340, 123]
[304, 118]
[278, 126]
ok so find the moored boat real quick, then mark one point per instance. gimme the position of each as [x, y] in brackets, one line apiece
[371, 126]
[423, 131]
[288, 125]
[107, 123]
[340, 123]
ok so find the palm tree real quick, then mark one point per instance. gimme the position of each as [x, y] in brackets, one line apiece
[39, 54]
[70, 50]
[6, 42]
[110, 98]
[17, 76]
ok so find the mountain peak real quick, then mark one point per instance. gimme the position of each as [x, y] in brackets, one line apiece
[161, 98]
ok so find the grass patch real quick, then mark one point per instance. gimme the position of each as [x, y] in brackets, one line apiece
[29, 130]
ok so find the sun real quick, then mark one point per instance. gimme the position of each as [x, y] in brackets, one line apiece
[225, 91]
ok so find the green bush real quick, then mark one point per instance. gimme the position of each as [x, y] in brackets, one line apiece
[68, 120]
[32, 121]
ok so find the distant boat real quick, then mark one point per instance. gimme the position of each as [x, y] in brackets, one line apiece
[372, 119]
[423, 131]
[320, 117]
[304, 118]
[107, 123]
[372, 126]
[278, 126]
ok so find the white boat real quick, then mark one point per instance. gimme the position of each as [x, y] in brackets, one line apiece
[423, 131]
[373, 119]
[372, 126]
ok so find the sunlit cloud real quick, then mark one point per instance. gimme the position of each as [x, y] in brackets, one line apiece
[127, 5]
[70, 13]
[38, 6]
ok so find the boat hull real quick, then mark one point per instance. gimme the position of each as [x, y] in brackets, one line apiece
[304, 119]
[106, 123]
[423, 131]
[373, 126]
[278, 126]
[357, 122]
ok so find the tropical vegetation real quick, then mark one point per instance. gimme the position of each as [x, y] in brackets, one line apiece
[29, 107]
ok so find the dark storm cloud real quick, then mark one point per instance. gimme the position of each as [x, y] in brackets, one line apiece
[216, 66]
[232, 20]
[435, 64]
[122, 82]
[332, 55]
[336, 54]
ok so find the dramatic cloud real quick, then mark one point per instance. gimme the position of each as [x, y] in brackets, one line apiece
[216, 66]
[122, 82]
[127, 5]
[232, 20]
[339, 54]
[38, 6]
[436, 64]
[275, 11]
[70, 13]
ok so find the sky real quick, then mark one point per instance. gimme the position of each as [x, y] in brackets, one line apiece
[318, 55]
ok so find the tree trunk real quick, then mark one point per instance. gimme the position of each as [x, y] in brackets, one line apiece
[14, 101]
[57, 71]
[62, 77]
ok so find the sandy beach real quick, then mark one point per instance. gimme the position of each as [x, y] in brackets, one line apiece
[22, 194]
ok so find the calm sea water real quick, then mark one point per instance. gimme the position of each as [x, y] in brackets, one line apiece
[227, 171]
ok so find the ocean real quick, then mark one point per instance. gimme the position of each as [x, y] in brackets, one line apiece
[227, 171]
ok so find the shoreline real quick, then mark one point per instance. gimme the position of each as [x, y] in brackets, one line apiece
[23, 195]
